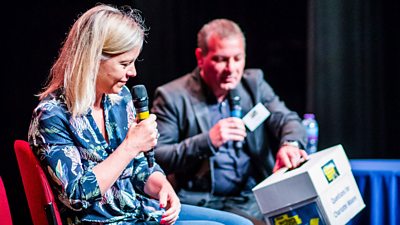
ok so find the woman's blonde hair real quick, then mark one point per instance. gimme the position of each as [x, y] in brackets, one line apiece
[101, 32]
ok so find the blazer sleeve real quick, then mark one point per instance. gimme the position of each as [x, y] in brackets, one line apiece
[181, 146]
[283, 123]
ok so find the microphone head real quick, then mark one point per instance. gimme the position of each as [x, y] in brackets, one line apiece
[139, 91]
[234, 97]
[139, 96]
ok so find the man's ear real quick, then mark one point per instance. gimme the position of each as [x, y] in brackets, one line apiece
[199, 56]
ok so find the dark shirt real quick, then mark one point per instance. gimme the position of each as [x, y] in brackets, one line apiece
[230, 166]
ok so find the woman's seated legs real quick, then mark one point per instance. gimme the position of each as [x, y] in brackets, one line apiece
[200, 215]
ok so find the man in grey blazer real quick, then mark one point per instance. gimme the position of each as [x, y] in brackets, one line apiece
[197, 147]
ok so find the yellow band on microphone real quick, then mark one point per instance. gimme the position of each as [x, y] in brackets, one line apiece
[143, 115]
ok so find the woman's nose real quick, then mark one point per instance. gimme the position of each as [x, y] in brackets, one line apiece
[131, 71]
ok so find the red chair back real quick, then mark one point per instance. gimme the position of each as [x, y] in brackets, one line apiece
[5, 215]
[39, 195]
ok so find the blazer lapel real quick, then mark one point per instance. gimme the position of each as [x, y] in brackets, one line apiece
[199, 104]
[247, 104]
[202, 115]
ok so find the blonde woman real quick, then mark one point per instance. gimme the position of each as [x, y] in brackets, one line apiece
[85, 134]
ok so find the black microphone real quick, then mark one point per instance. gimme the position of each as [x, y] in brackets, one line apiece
[141, 103]
[236, 111]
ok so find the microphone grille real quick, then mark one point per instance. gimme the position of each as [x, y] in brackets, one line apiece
[234, 97]
[139, 91]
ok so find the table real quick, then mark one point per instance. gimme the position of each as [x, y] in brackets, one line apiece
[379, 184]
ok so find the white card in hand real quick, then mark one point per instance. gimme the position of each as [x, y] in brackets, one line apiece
[256, 116]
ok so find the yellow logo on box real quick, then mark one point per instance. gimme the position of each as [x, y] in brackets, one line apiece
[330, 171]
[314, 221]
[304, 215]
[286, 220]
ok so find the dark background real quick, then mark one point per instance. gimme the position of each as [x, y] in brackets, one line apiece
[338, 59]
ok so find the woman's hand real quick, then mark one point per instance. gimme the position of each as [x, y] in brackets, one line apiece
[170, 201]
[142, 136]
[158, 186]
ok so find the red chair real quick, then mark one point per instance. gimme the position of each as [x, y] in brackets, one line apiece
[5, 215]
[39, 195]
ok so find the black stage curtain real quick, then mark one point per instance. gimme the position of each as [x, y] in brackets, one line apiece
[338, 59]
[353, 75]
[33, 32]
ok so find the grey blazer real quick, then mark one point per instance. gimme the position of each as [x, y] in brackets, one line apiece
[184, 121]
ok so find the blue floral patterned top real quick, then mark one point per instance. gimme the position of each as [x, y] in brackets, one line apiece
[69, 148]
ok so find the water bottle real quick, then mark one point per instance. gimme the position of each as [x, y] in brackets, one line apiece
[311, 126]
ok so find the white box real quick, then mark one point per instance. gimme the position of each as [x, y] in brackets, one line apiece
[321, 191]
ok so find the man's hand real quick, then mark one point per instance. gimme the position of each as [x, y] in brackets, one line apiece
[228, 129]
[290, 157]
